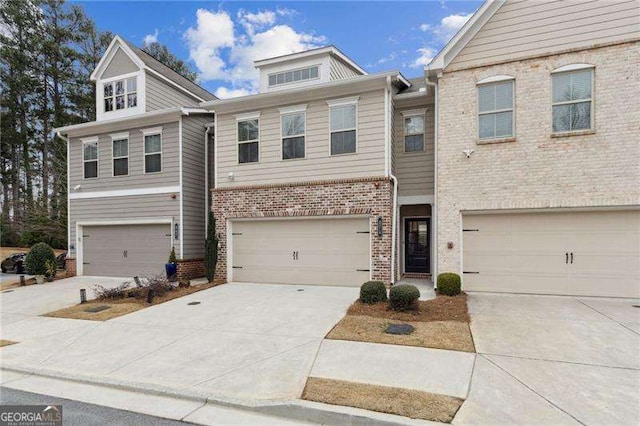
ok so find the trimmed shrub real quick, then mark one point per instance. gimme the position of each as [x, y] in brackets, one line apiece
[36, 261]
[449, 284]
[172, 256]
[404, 297]
[373, 292]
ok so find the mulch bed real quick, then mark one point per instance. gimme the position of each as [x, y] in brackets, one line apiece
[442, 308]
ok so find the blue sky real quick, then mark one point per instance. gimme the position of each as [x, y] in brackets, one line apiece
[222, 39]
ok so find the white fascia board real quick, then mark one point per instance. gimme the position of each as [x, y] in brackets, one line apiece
[132, 121]
[464, 35]
[124, 192]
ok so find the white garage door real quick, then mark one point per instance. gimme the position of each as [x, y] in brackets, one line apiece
[302, 251]
[125, 250]
[573, 253]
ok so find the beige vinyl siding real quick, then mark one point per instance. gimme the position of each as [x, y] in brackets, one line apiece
[339, 70]
[120, 64]
[318, 164]
[414, 170]
[162, 95]
[525, 28]
[392, 109]
[153, 206]
[193, 186]
[136, 178]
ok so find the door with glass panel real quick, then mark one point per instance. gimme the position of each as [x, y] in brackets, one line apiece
[416, 239]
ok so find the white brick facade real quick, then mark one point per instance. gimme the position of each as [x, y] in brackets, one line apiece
[538, 170]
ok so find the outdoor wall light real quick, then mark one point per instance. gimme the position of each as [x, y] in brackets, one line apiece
[173, 196]
[231, 176]
[77, 187]
[468, 152]
[379, 226]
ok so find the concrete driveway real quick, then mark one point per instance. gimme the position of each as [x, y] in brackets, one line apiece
[554, 360]
[242, 341]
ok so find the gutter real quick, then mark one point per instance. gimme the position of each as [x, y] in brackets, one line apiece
[434, 211]
[389, 168]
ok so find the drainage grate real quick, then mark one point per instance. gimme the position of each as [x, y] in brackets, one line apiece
[193, 303]
[301, 289]
[399, 329]
[94, 309]
[635, 306]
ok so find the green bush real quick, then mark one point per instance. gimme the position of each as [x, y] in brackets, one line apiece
[373, 292]
[404, 297]
[36, 260]
[172, 256]
[449, 284]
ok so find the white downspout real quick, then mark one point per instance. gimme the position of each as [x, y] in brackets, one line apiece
[207, 194]
[434, 211]
[389, 168]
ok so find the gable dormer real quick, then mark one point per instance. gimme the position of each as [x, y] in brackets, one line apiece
[130, 82]
[120, 83]
[306, 68]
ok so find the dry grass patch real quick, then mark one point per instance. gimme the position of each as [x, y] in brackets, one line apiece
[6, 251]
[31, 281]
[453, 335]
[6, 342]
[120, 307]
[403, 402]
[442, 308]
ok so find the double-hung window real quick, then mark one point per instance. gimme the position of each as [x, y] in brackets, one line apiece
[343, 127]
[293, 135]
[120, 94]
[414, 133]
[248, 140]
[572, 100]
[152, 151]
[90, 158]
[120, 150]
[495, 110]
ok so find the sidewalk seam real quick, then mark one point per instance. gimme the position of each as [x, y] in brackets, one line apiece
[607, 316]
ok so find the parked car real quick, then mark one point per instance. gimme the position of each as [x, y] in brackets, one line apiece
[61, 260]
[15, 263]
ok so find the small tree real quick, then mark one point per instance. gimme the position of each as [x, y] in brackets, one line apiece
[172, 255]
[36, 260]
[211, 249]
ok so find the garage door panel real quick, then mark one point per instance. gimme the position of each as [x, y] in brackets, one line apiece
[328, 251]
[527, 253]
[147, 249]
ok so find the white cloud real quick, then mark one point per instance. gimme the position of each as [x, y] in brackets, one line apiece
[221, 50]
[426, 54]
[213, 32]
[226, 93]
[449, 25]
[151, 38]
[425, 27]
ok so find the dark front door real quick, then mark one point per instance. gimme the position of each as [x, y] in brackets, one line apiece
[416, 240]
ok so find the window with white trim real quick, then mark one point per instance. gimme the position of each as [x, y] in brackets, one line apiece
[495, 110]
[293, 135]
[153, 153]
[120, 94]
[120, 150]
[90, 159]
[293, 76]
[414, 133]
[572, 100]
[248, 140]
[343, 129]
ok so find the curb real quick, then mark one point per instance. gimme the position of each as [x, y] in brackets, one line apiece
[300, 410]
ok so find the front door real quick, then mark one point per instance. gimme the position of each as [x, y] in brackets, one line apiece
[416, 240]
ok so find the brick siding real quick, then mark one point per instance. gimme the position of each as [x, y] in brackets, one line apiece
[536, 170]
[70, 267]
[189, 269]
[371, 196]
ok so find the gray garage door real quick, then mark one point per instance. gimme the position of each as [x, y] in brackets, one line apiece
[125, 250]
